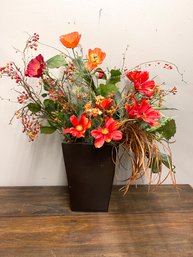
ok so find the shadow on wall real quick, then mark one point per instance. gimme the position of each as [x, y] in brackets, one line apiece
[47, 160]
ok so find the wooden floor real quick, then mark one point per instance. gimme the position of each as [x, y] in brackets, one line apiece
[37, 222]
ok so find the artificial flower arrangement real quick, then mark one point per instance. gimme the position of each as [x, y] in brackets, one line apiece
[88, 104]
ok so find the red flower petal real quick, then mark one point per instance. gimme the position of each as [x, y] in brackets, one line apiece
[111, 124]
[76, 133]
[96, 133]
[99, 142]
[67, 130]
[36, 67]
[138, 76]
[143, 111]
[85, 122]
[147, 88]
[143, 76]
[74, 120]
[108, 137]
[104, 103]
[116, 135]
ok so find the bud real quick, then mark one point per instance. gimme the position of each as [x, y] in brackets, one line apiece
[100, 74]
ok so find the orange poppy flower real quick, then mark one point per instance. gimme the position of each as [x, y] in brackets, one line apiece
[70, 40]
[95, 57]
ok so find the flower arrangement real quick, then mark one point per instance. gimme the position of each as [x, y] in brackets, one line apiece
[71, 94]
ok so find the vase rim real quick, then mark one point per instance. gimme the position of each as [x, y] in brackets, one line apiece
[84, 143]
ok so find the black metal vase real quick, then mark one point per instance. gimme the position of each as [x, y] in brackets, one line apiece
[90, 172]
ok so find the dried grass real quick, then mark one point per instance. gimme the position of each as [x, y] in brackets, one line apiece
[143, 150]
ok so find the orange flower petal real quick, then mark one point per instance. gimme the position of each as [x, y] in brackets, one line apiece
[70, 40]
[95, 57]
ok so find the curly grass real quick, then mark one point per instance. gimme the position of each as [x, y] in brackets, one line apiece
[144, 153]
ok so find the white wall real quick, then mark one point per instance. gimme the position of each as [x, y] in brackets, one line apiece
[153, 30]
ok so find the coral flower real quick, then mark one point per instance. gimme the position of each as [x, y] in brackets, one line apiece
[70, 40]
[95, 57]
[107, 133]
[143, 111]
[104, 104]
[80, 126]
[36, 67]
[141, 82]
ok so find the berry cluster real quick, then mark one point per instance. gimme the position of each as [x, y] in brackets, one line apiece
[32, 42]
[31, 124]
[24, 96]
[10, 70]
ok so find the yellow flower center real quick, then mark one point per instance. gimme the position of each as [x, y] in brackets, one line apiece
[105, 131]
[94, 58]
[79, 128]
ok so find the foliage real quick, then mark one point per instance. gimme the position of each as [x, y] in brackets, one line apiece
[77, 98]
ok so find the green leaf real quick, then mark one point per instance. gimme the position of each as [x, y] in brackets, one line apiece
[63, 117]
[33, 107]
[105, 90]
[46, 86]
[166, 108]
[44, 95]
[47, 130]
[164, 159]
[90, 82]
[115, 76]
[49, 105]
[155, 166]
[167, 128]
[79, 63]
[56, 61]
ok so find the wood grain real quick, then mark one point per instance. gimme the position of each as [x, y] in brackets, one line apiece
[37, 222]
[35, 201]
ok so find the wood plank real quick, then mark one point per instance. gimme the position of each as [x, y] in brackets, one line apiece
[43, 201]
[104, 235]
[164, 198]
[33, 201]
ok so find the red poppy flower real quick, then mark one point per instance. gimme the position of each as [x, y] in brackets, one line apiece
[107, 133]
[138, 76]
[141, 82]
[70, 40]
[143, 111]
[132, 110]
[80, 126]
[147, 88]
[95, 57]
[36, 67]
